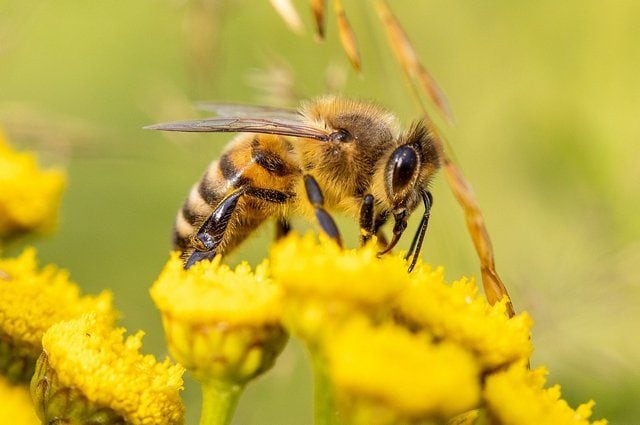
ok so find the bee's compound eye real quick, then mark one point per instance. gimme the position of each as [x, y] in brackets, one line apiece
[405, 163]
[340, 136]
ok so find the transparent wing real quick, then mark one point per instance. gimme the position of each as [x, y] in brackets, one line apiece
[233, 110]
[281, 126]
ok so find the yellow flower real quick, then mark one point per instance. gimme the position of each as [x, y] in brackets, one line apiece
[323, 269]
[388, 375]
[324, 283]
[16, 407]
[517, 396]
[29, 197]
[458, 313]
[221, 324]
[32, 300]
[89, 371]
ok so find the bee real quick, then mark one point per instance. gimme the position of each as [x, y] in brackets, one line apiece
[331, 154]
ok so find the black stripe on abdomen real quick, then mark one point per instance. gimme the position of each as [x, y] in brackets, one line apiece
[228, 170]
[209, 191]
[190, 215]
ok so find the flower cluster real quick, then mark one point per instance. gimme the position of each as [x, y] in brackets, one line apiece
[393, 347]
[85, 372]
[64, 343]
[387, 347]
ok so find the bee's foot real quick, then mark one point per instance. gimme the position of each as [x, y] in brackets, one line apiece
[198, 256]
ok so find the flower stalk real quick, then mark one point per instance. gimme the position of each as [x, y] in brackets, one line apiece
[219, 402]
[324, 406]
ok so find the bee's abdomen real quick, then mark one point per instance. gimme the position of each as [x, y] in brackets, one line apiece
[261, 167]
[202, 199]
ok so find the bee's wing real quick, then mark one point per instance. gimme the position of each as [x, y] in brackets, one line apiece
[281, 126]
[233, 110]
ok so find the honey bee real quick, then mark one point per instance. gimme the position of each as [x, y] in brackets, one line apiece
[331, 154]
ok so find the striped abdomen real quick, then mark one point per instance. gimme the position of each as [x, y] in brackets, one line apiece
[263, 167]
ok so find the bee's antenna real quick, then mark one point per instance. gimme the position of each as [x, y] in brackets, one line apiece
[418, 238]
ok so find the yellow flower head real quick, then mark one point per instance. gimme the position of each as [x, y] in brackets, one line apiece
[323, 269]
[32, 300]
[387, 371]
[221, 324]
[323, 283]
[16, 407]
[29, 197]
[89, 369]
[516, 396]
[458, 313]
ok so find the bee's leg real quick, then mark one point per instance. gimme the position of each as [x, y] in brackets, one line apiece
[369, 226]
[197, 256]
[399, 226]
[210, 234]
[381, 219]
[317, 200]
[283, 227]
[366, 219]
[418, 238]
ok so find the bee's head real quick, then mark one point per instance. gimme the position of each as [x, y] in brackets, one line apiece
[359, 136]
[410, 167]
[407, 173]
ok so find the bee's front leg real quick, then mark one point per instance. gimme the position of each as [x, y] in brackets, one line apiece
[317, 200]
[283, 227]
[367, 225]
[370, 226]
[381, 220]
[209, 236]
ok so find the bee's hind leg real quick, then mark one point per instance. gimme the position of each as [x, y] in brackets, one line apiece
[317, 200]
[209, 236]
[197, 256]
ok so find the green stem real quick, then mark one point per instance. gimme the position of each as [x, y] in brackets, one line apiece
[219, 401]
[324, 409]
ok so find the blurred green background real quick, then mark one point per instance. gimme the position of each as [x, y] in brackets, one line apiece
[546, 96]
